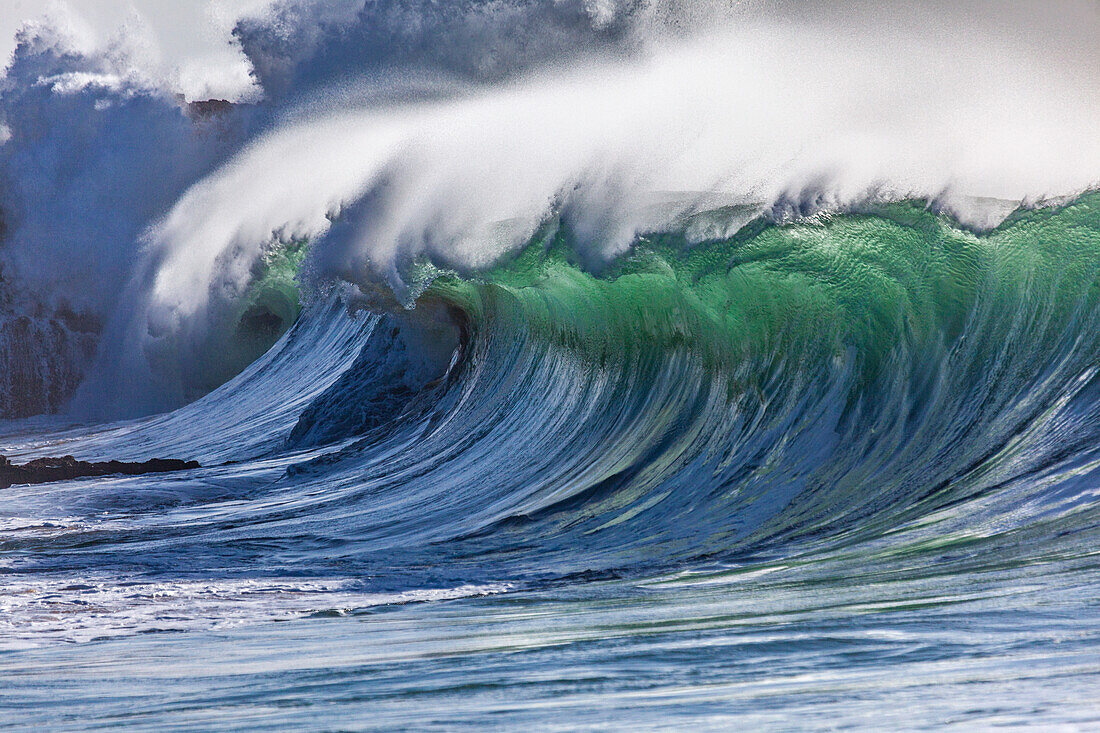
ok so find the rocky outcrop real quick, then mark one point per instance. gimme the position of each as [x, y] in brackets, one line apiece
[204, 109]
[46, 470]
[42, 360]
[43, 355]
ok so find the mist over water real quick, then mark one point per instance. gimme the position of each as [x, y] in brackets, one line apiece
[555, 363]
[426, 134]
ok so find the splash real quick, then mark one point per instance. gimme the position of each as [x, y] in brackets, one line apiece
[623, 120]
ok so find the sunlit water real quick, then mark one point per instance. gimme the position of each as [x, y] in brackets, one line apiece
[648, 499]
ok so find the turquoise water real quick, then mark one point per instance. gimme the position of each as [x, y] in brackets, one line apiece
[833, 473]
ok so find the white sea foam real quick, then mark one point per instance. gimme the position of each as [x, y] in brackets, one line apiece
[450, 142]
[97, 606]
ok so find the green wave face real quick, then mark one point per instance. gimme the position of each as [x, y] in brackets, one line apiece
[269, 307]
[901, 277]
[883, 354]
[273, 303]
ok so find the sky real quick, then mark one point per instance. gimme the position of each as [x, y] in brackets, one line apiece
[187, 44]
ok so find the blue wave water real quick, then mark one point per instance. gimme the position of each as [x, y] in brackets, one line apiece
[839, 471]
[553, 364]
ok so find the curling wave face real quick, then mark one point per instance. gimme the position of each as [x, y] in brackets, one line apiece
[839, 378]
[846, 400]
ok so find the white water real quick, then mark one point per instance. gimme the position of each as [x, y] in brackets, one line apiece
[419, 151]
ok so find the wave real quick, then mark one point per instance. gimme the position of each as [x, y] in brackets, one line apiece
[837, 378]
[816, 383]
[676, 344]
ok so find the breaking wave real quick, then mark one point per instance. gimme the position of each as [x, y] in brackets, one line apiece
[663, 302]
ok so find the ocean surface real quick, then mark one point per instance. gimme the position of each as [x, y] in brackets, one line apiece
[835, 472]
[552, 365]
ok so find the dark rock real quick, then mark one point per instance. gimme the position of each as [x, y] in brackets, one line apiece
[206, 108]
[42, 360]
[46, 470]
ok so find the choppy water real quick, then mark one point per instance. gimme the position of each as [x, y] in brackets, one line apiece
[842, 472]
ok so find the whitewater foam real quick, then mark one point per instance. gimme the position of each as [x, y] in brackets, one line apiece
[417, 150]
[94, 607]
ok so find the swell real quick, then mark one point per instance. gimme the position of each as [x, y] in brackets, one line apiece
[841, 379]
[834, 378]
